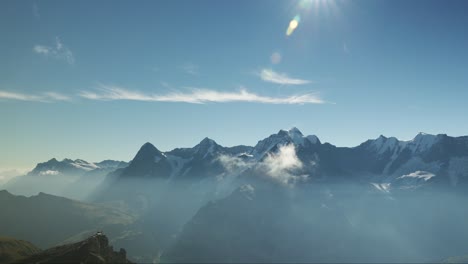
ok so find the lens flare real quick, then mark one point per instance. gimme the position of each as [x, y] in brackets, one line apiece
[293, 25]
[275, 58]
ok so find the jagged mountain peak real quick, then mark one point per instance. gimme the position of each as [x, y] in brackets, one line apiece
[291, 132]
[148, 146]
[148, 162]
[206, 146]
[283, 137]
[422, 135]
[313, 139]
[423, 141]
[147, 150]
[207, 141]
[381, 137]
[383, 144]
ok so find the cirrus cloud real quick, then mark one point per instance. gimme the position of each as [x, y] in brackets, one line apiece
[58, 51]
[197, 96]
[268, 75]
[43, 97]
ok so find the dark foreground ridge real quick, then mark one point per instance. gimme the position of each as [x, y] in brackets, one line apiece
[94, 249]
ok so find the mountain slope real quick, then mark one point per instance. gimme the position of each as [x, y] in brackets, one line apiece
[258, 224]
[70, 178]
[13, 249]
[46, 220]
[95, 249]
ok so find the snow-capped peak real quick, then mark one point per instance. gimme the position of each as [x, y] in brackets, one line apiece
[81, 164]
[296, 136]
[283, 137]
[383, 144]
[206, 146]
[295, 131]
[422, 142]
[313, 139]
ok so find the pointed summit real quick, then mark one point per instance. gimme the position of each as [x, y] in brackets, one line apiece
[206, 146]
[283, 137]
[295, 131]
[207, 141]
[148, 146]
[382, 137]
[148, 162]
[296, 136]
[148, 150]
[422, 142]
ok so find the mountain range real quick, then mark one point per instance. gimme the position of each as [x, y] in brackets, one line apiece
[70, 178]
[288, 198]
[426, 159]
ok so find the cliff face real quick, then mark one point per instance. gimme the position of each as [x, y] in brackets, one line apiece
[95, 249]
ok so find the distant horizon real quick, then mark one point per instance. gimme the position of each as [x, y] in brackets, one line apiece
[132, 154]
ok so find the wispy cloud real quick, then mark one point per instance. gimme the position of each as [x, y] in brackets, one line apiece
[197, 96]
[43, 97]
[35, 10]
[58, 51]
[269, 75]
[190, 68]
[56, 96]
[345, 48]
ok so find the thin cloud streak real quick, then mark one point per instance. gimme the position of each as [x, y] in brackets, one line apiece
[44, 97]
[35, 10]
[59, 51]
[190, 68]
[197, 96]
[269, 75]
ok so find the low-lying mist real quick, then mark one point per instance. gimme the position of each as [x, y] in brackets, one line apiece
[274, 208]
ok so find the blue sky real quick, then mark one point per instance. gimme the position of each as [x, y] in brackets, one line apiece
[97, 79]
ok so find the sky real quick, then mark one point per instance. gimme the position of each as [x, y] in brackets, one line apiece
[97, 79]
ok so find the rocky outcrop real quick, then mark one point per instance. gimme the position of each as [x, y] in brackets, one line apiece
[95, 249]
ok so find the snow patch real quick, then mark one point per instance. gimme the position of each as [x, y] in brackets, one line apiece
[84, 165]
[419, 175]
[296, 136]
[422, 142]
[49, 172]
[284, 137]
[177, 164]
[416, 164]
[313, 139]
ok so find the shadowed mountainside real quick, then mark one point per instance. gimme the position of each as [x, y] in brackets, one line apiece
[46, 220]
[13, 249]
[95, 249]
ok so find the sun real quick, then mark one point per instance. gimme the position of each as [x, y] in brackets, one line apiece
[306, 7]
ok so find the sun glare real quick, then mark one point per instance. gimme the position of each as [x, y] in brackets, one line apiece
[304, 8]
[293, 25]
